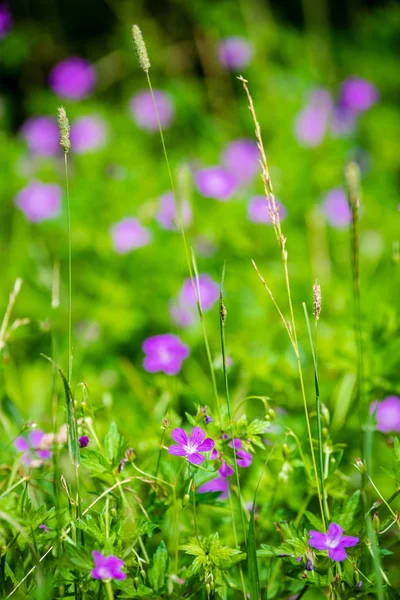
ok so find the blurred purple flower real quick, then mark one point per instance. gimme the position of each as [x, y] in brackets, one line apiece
[241, 159]
[215, 182]
[44, 527]
[128, 235]
[39, 201]
[83, 441]
[358, 94]
[220, 483]
[334, 541]
[5, 20]
[73, 78]
[181, 316]
[234, 53]
[167, 214]
[143, 111]
[312, 121]
[208, 419]
[183, 309]
[107, 567]
[191, 448]
[41, 135]
[243, 458]
[343, 121]
[165, 352]
[336, 208]
[258, 210]
[33, 455]
[387, 414]
[87, 133]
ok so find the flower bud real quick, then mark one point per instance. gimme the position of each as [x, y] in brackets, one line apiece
[136, 582]
[285, 451]
[143, 574]
[376, 522]
[185, 500]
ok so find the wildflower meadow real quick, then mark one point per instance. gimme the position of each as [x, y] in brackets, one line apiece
[199, 300]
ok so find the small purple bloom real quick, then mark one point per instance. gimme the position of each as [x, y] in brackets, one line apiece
[107, 567]
[183, 309]
[167, 214]
[241, 158]
[334, 541]
[243, 458]
[165, 352]
[41, 135]
[234, 53]
[143, 111]
[218, 484]
[128, 235]
[358, 94]
[191, 448]
[387, 414]
[312, 121]
[257, 211]
[309, 565]
[215, 182]
[343, 121]
[33, 455]
[359, 585]
[73, 78]
[208, 419]
[336, 208]
[39, 201]
[83, 441]
[87, 133]
[44, 527]
[5, 20]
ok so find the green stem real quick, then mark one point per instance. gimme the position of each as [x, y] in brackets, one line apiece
[69, 272]
[109, 592]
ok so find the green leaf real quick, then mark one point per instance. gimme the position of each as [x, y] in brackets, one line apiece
[94, 462]
[252, 566]
[144, 527]
[315, 521]
[350, 510]
[73, 443]
[374, 549]
[159, 568]
[113, 444]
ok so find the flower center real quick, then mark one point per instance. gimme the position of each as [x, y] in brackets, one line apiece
[104, 573]
[190, 448]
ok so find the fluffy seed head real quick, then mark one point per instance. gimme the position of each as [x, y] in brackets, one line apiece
[317, 299]
[63, 125]
[141, 49]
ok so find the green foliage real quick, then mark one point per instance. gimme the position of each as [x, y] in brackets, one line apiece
[159, 568]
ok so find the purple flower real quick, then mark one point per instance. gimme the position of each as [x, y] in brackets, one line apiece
[208, 419]
[312, 121]
[334, 541]
[73, 78]
[167, 214]
[336, 208]
[234, 53]
[44, 527]
[183, 310]
[243, 458]
[215, 182]
[257, 211]
[39, 201]
[343, 121]
[387, 414]
[358, 94]
[5, 20]
[107, 567]
[192, 447]
[165, 352]
[41, 135]
[241, 159]
[128, 235]
[33, 455]
[143, 111]
[220, 483]
[87, 133]
[83, 441]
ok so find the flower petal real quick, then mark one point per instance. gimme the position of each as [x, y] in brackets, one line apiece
[349, 540]
[197, 437]
[243, 458]
[195, 458]
[218, 484]
[317, 540]
[21, 444]
[36, 437]
[180, 436]
[177, 450]
[335, 531]
[338, 553]
[206, 446]
[99, 560]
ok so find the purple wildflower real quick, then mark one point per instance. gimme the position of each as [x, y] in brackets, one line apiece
[107, 567]
[358, 94]
[309, 565]
[257, 211]
[387, 414]
[144, 114]
[83, 441]
[87, 133]
[44, 527]
[128, 235]
[191, 448]
[336, 208]
[215, 182]
[39, 201]
[312, 121]
[167, 214]
[33, 455]
[183, 309]
[208, 419]
[243, 458]
[41, 135]
[334, 541]
[165, 352]
[73, 78]
[5, 20]
[241, 159]
[343, 121]
[234, 53]
[220, 483]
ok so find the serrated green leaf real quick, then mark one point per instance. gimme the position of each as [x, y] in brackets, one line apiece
[350, 510]
[315, 521]
[113, 444]
[159, 568]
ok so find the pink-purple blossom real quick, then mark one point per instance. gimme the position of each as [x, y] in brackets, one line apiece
[107, 567]
[165, 352]
[5, 20]
[33, 454]
[358, 94]
[336, 208]
[387, 414]
[83, 441]
[129, 234]
[258, 212]
[183, 309]
[334, 541]
[87, 133]
[312, 121]
[144, 113]
[220, 483]
[73, 78]
[234, 53]
[42, 135]
[39, 201]
[241, 159]
[215, 182]
[192, 448]
[167, 215]
[45, 528]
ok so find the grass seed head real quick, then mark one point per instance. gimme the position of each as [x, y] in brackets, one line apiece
[140, 48]
[63, 125]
